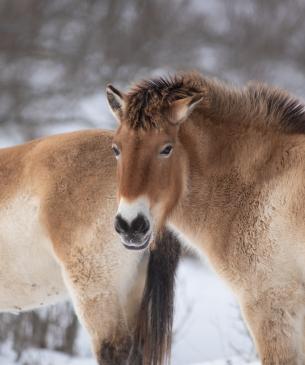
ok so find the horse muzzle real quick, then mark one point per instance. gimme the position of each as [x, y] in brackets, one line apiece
[135, 235]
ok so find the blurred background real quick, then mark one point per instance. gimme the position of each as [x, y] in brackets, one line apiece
[56, 57]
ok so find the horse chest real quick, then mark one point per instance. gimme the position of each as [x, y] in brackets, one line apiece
[29, 275]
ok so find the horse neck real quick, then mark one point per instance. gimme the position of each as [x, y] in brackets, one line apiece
[224, 162]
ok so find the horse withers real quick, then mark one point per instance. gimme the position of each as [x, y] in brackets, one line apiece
[57, 240]
[223, 167]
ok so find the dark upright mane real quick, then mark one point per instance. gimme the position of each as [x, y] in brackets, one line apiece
[273, 107]
[146, 100]
[285, 110]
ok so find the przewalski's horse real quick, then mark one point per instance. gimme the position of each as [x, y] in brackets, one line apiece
[225, 168]
[57, 200]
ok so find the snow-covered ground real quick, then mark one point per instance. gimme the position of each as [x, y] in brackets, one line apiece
[45, 357]
[207, 327]
[207, 321]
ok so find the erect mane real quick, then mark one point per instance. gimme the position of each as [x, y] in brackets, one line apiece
[273, 107]
[280, 109]
[146, 100]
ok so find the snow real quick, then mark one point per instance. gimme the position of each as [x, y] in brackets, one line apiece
[4, 360]
[95, 109]
[228, 362]
[46, 357]
[207, 322]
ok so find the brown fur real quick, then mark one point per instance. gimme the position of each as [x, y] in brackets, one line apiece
[148, 102]
[233, 185]
[71, 179]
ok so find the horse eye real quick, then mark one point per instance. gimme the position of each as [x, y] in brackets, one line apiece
[166, 151]
[116, 151]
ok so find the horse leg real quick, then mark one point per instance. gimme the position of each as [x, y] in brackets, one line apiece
[110, 336]
[110, 333]
[106, 289]
[276, 324]
[117, 349]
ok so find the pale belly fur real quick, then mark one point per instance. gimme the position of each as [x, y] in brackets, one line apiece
[30, 277]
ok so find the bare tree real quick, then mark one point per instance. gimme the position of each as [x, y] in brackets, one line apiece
[53, 328]
[55, 53]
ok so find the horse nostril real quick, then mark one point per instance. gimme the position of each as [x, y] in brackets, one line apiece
[140, 225]
[120, 225]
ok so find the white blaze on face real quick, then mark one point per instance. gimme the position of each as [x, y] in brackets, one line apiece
[130, 210]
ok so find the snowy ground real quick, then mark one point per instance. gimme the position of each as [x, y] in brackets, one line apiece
[207, 327]
[207, 321]
[44, 357]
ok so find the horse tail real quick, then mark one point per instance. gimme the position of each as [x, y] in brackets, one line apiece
[153, 335]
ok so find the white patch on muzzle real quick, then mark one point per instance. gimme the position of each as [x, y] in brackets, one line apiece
[130, 210]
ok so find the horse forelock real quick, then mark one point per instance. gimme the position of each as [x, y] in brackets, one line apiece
[147, 101]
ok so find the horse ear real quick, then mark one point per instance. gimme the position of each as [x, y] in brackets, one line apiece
[115, 101]
[182, 108]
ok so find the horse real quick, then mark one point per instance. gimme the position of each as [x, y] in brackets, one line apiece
[223, 167]
[57, 241]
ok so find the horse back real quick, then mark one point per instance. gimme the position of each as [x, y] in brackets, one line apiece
[47, 188]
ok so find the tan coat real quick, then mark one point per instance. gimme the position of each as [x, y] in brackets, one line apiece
[57, 201]
[232, 183]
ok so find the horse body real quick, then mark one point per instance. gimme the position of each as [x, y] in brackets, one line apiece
[30, 275]
[250, 225]
[57, 197]
[250, 214]
[232, 182]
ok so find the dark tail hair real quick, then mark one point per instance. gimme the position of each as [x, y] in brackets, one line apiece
[153, 336]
